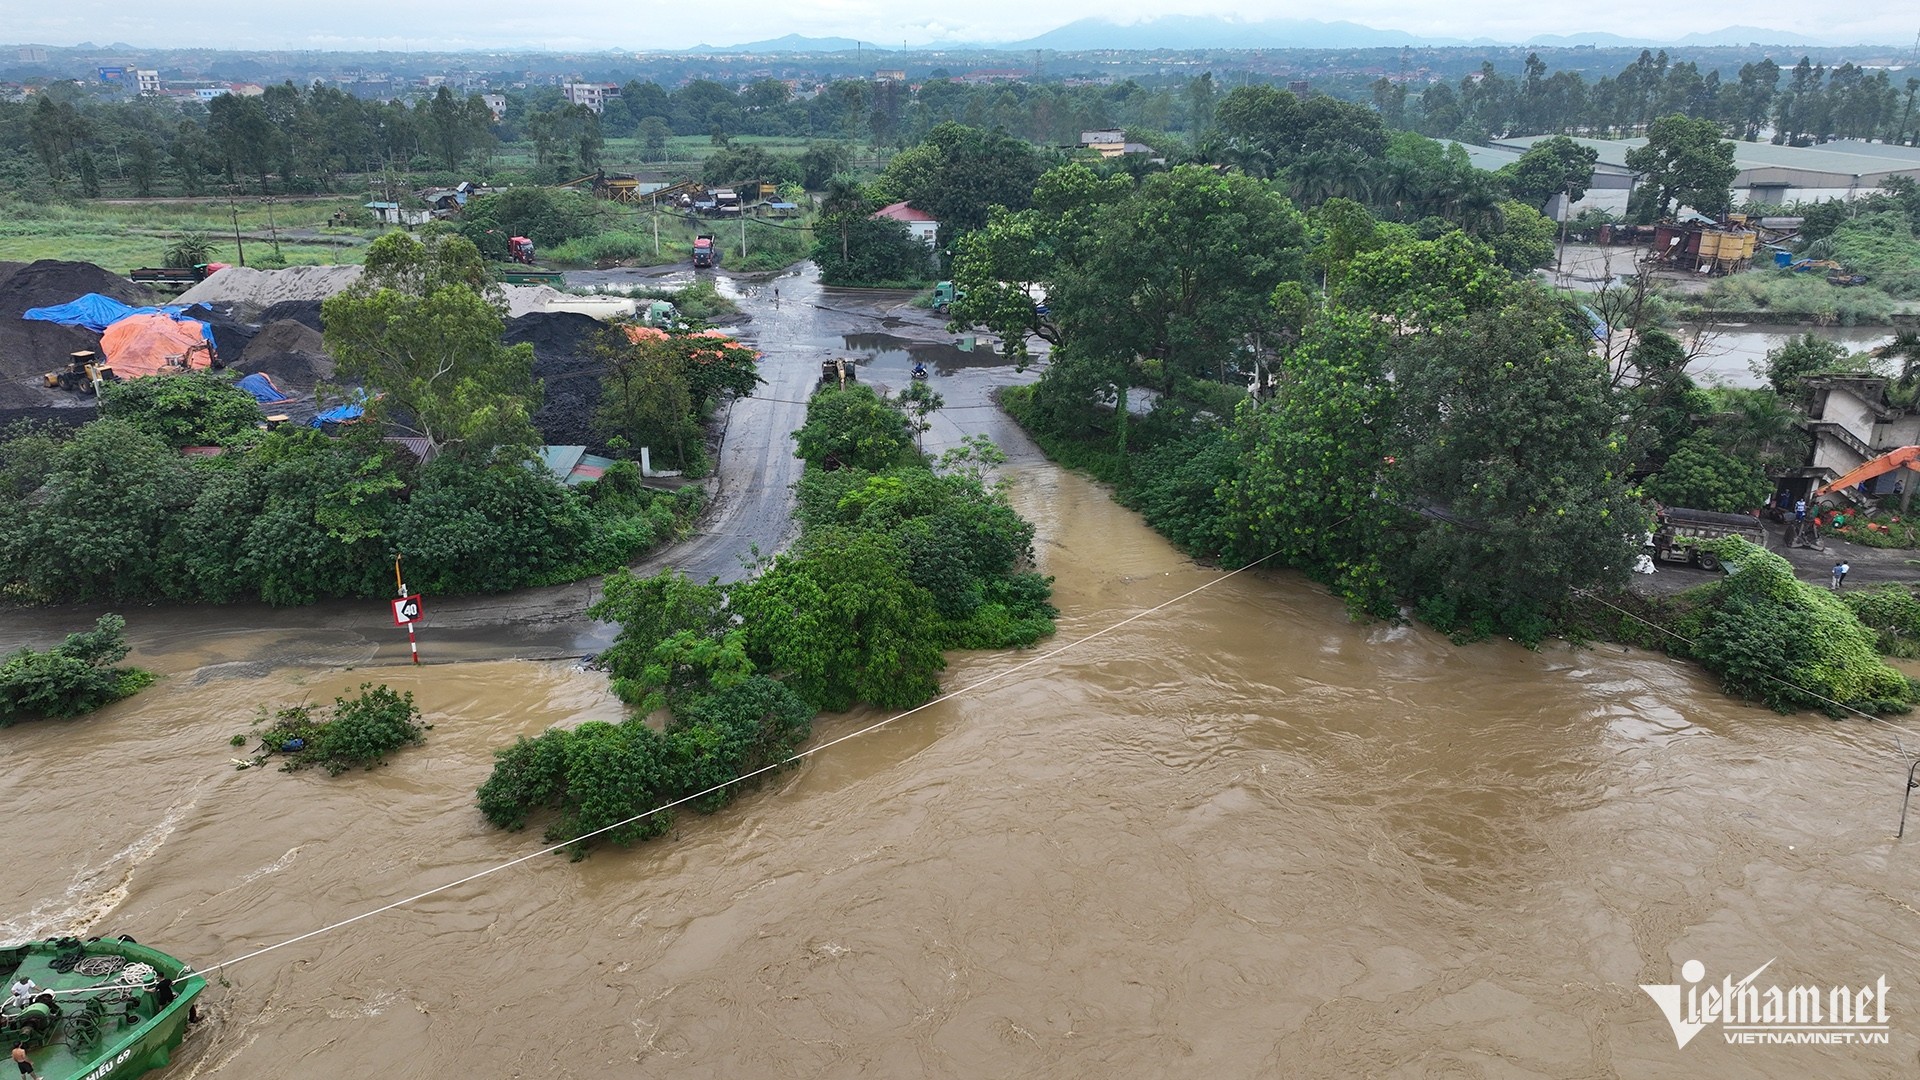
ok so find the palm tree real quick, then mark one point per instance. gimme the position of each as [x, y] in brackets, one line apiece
[843, 200]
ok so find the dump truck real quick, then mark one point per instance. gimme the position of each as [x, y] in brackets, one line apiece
[838, 374]
[520, 250]
[1675, 530]
[702, 251]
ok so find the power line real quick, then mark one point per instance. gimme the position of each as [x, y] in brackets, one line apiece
[809, 752]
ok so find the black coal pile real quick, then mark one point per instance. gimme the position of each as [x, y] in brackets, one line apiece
[563, 362]
[29, 348]
[231, 333]
[291, 352]
[52, 281]
[305, 312]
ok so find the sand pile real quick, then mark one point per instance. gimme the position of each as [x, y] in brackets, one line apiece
[562, 361]
[268, 287]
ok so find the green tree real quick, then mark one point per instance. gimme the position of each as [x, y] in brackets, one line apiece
[957, 173]
[842, 623]
[1701, 476]
[1555, 166]
[1788, 367]
[1311, 458]
[1685, 162]
[862, 250]
[104, 517]
[854, 428]
[193, 408]
[653, 134]
[418, 331]
[1525, 239]
[1504, 438]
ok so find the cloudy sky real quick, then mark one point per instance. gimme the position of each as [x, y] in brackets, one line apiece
[606, 24]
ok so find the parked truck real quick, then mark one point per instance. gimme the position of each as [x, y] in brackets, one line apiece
[702, 252]
[174, 277]
[1675, 530]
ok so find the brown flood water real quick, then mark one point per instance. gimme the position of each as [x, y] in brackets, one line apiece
[1241, 837]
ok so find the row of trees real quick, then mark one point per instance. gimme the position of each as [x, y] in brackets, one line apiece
[1806, 104]
[1434, 429]
[898, 560]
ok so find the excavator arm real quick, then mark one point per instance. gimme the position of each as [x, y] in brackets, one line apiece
[1907, 457]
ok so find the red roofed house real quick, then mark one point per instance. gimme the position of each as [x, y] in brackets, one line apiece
[920, 225]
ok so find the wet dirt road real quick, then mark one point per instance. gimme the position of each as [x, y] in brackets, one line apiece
[1240, 836]
[750, 512]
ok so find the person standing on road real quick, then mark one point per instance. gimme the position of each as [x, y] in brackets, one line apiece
[1800, 510]
[1840, 573]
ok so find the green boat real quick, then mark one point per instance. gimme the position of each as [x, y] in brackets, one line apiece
[99, 1008]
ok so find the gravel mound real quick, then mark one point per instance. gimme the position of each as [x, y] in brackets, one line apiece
[268, 287]
[563, 363]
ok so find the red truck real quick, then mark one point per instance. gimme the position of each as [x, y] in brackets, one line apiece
[702, 252]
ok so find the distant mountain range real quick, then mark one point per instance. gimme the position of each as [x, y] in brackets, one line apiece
[1188, 32]
[792, 43]
[1208, 32]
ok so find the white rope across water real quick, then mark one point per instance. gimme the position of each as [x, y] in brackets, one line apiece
[809, 752]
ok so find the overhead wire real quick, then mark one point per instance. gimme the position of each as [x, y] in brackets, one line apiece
[723, 785]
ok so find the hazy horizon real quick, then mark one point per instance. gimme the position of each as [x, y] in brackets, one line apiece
[599, 26]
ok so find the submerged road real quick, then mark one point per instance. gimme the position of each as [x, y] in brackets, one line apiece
[792, 320]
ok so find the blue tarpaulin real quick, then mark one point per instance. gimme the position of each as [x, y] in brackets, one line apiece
[93, 311]
[339, 414]
[260, 385]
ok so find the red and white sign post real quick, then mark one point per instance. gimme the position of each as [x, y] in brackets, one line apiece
[406, 610]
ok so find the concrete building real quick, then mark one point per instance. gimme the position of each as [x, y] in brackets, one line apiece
[593, 95]
[496, 104]
[920, 225]
[1852, 423]
[147, 82]
[1777, 175]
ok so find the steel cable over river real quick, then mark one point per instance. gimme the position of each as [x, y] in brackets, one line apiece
[1245, 837]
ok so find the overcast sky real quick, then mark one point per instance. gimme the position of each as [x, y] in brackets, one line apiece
[598, 25]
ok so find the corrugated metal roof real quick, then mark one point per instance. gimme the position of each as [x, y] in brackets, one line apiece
[1836, 164]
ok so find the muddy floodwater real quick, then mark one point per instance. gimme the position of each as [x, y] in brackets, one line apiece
[1238, 837]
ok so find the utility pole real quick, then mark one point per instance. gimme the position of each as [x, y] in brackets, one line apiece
[743, 234]
[233, 206]
[1566, 211]
[271, 227]
[656, 224]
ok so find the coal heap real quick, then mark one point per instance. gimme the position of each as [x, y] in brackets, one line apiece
[562, 343]
[305, 312]
[290, 352]
[30, 348]
[52, 281]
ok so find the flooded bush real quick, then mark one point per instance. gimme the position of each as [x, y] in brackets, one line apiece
[359, 732]
[74, 677]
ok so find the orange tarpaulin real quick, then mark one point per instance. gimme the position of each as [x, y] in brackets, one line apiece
[150, 344]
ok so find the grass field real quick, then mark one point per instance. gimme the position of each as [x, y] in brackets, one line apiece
[121, 236]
